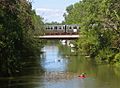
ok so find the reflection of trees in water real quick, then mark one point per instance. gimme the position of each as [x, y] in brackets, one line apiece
[64, 51]
[117, 72]
[107, 76]
[59, 76]
[21, 82]
[76, 62]
[31, 66]
[29, 77]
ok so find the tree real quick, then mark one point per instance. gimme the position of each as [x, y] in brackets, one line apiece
[100, 27]
[18, 24]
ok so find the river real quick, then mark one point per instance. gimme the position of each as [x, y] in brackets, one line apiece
[62, 71]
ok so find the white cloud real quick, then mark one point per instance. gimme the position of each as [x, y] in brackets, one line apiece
[47, 9]
[51, 14]
[43, 9]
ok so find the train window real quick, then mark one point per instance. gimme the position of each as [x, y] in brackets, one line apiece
[51, 28]
[70, 27]
[75, 27]
[55, 27]
[48, 28]
[60, 28]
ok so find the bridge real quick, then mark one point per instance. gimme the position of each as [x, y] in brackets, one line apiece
[61, 32]
[58, 37]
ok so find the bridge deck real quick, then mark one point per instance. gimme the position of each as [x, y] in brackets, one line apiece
[58, 37]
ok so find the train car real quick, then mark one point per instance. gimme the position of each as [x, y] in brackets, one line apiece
[61, 29]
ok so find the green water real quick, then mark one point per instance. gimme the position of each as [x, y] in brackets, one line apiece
[62, 71]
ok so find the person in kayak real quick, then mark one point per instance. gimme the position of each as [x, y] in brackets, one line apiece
[83, 75]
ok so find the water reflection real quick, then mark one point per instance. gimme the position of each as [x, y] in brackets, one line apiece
[30, 77]
[61, 71]
[53, 61]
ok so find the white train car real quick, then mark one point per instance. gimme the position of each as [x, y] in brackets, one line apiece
[61, 29]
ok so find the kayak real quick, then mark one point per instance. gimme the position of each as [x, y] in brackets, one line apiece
[82, 77]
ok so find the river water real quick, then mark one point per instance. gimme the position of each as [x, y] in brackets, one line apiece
[62, 70]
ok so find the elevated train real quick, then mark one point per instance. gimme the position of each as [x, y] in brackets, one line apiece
[62, 29]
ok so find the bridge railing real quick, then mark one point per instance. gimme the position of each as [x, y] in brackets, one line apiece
[57, 33]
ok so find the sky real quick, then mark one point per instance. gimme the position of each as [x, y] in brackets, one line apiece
[51, 10]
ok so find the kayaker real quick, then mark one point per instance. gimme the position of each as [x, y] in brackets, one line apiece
[83, 75]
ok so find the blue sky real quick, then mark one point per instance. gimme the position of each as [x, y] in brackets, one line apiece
[51, 10]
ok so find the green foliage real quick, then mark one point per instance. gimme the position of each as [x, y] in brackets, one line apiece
[117, 58]
[69, 8]
[105, 55]
[38, 24]
[100, 27]
[18, 25]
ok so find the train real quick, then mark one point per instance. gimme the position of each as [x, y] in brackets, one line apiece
[62, 29]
